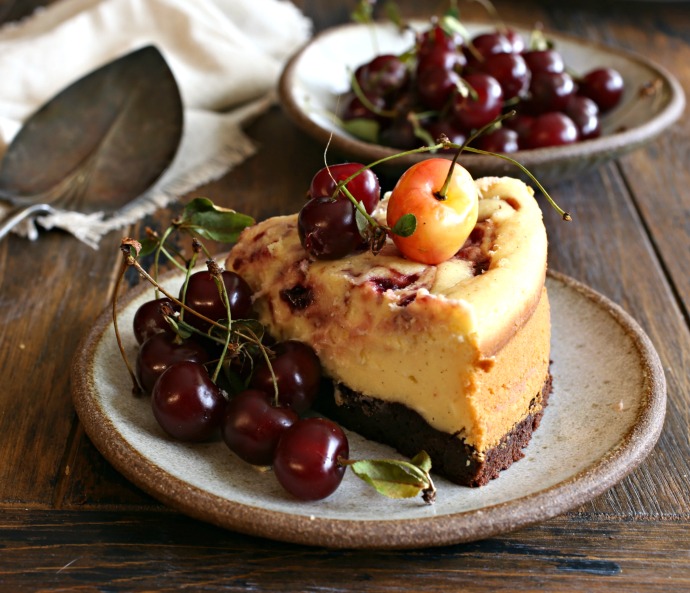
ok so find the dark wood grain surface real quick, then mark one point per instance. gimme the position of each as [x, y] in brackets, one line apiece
[70, 522]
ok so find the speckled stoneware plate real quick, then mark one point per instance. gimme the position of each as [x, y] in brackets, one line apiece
[318, 74]
[604, 417]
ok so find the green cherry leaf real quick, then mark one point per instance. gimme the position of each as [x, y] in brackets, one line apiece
[148, 246]
[182, 329]
[361, 220]
[362, 128]
[405, 226]
[203, 218]
[392, 478]
[422, 461]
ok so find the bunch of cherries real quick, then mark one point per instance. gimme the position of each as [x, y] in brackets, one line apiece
[447, 86]
[263, 422]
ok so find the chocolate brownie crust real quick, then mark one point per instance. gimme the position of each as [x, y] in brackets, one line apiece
[400, 427]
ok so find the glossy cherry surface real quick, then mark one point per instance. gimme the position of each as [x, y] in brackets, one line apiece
[186, 403]
[328, 228]
[551, 129]
[162, 350]
[204, 297]
[252, 426]
[364, 187]
[149, 319]
[482, 105]
[306, 459]
[501, 140]
[604, 86]
[297, 371]
[443, 223]
[585, 114]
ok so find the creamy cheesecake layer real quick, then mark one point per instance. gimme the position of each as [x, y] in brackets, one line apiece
[465, 344]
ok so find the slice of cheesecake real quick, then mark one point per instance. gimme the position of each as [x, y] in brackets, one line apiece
[450, 358]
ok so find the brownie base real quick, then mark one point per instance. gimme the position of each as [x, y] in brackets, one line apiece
[404, 429]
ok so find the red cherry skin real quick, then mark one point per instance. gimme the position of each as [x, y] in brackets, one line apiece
[472, 113]
[252, 426]
[298, 374]
[500, 140]
[604, 86]
[551, 129]
[364, 188]
[306, 459]
[186, 403]
[149, 320]
[161, 351]
[203, 296]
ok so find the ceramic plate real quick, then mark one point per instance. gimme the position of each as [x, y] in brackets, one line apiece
[604, 417]
[315, 78]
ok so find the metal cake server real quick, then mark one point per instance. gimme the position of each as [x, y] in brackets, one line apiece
[98, 144]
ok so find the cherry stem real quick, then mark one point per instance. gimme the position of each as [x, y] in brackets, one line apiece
[366, 102]
[445, 143]
[564, 215]
[274, 379]
[453, 24]
[443, 192]
[174, 299]
[136, 388]
[218, 279]
[156, 258]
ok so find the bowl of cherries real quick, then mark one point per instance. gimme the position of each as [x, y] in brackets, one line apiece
[557, 104]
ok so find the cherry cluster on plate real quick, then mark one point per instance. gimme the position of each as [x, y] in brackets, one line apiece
[263, 421]
[449, 86]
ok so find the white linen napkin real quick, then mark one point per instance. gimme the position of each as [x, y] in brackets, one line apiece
[226, 56]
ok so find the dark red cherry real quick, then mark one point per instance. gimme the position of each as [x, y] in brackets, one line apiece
[544, 60]
[162, 350]
[149, 319]
[585, 114]
[252, 426]
[440, 58]
[327, 228]
[551, 129]
[204, 297]
[297, 372]
[517, 41]
[186, 403]
[550, 91]
[604, 86]
[364, 187]
[383, 76]
[435, 39]
[438, 127]
[480, 107]
[306, 459]
[511, 72]
[501, 140]
[400, 133]
[521, 123]
[491, 43]
[355, 108]
[436, 85]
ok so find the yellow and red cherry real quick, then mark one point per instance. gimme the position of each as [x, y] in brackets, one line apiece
[445, 217]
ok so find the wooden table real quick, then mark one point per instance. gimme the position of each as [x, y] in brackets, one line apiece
[70, 522]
